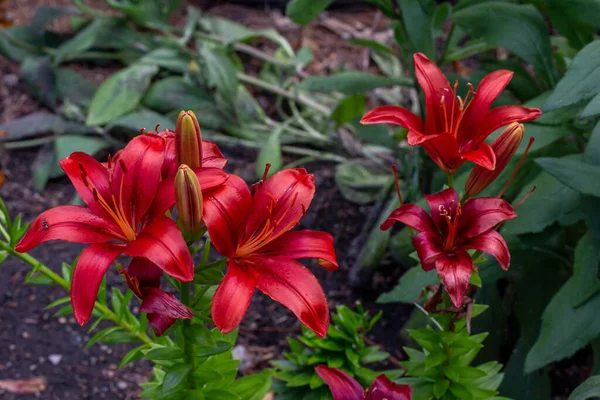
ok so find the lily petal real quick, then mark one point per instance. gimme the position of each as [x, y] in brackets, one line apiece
[284, 197]
[442, 204]
[490, 242]
[435, 85]
[71, 223]
[232, 298]
[293, 285]
[342, 385]
[482, 214]
[135, 186]
[487, 92]
[394, 115]
[443, 150]
[411, 215]
[502, 116]
[162, 243]
[212, 156]
[164, 305]
[428, 246]
[95, 176]
[87, 276]
[145, 271]
[455, 270]
[484, 156]
[385, 389]
[225, 213]
[303, 244]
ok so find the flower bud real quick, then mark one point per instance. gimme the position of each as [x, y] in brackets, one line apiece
[188, 140]
[188, 199]
[505, 146]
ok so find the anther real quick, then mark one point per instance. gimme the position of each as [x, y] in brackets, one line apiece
[109, 161]
[267, 167]
[143, 131]
[85, 180]
[95, 194]
[82, 169]
[156, 128]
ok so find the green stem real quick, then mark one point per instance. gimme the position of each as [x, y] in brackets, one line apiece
[188, 346]
[282, 92]
[451, 180]
[107, 313]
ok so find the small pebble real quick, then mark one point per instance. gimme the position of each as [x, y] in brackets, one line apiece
[122, 385]
[55, 359]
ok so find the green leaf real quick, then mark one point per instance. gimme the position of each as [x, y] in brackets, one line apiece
[585, 269]
[255, 386]
[304, 11]
[593, 107]
[270, 153]
[45, 15]
[441, 15]
[72, 86]
[518, 28]
[348, 109]
[175, 93]
[418, 25]
[440, 387]
[575, 174]
[168, 58]
[142, 118]
[41, 79]
[360, 182]
[574, 20]
[221, 346]
[550, 201]
[23, 34]
[120, 94]
[349, 82]
[42, 166]
[175, 376]
[81, 42]
[220, 73]
[410, 286]
[100, 335]
[131, 356]
[377, 241]
[64, 145]
[565, 328]
[200, 335]
[544, 136]
[590, 388]
[164, 353]
[581, 81]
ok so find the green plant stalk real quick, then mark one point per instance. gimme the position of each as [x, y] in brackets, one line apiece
[451, 180]
[188, 346]
[107, 313]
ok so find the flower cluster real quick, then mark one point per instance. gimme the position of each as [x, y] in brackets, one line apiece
[454, 131]
[130, 200]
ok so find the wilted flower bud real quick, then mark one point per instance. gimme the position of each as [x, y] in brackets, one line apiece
[188, 199]
[188, 140]
[505, 146]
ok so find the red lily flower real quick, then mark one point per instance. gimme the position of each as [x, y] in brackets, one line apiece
[450, 231]
[253, 232]
[125, 214]
[344, 387]
[162, 308]
[455, 129]
[211, 155]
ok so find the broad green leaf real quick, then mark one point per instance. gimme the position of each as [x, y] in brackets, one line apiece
[81, 42]
[547, 204]
[565, 328]
[544, 135]
[270, 153]
[373, 45]
[175, 376]
[585, 269]
[72, 86]
[410, 286]
[581, 81]
[592, 150]
[575, 20]
[120, 94]
[417, 20]
[360, 182]
[593, 107]
[131, 356]
[556, 117]
[440, 16]
[255, 386]
[349, 82]
[100, 335]
[590, 388]
[164, 353]
[575, 174]
[175, 93]
[304, 11]
[23, 34]
[377, 242]
[348, 109]
[142, 118]
[200, 335]
[64, 145]
[31, 125]
[518, 28]
[220, 73]
[42, 166]
[41, 79]
[167, 58]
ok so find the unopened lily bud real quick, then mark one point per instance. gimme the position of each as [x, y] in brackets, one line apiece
[505, 146]
[188, 140]
[188, 199]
